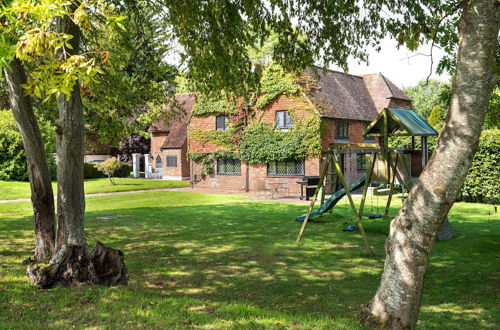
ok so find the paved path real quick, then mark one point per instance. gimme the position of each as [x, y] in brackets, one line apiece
[247, 196]
[89, 195]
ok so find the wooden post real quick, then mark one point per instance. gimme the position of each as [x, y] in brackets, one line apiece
[386, 144]
[389, 198]
[353, 207]
[367, 183]
[311, 205]
[425, 151]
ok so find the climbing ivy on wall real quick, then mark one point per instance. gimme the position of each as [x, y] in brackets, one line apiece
[253, 141]
[262, 143]
[222, 138]
[276, 81]
[206, 106]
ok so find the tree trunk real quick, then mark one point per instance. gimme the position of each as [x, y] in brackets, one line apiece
[413, 232]
[42, 196]
[70, 151]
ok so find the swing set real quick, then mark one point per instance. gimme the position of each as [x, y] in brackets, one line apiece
[385, 165]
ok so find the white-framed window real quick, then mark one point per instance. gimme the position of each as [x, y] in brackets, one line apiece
[158, 163]
[285, 168]
[228, 166]
[283, 120]
[221, 123]
[171, 161]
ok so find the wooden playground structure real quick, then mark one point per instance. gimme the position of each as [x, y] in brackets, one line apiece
[384, 165]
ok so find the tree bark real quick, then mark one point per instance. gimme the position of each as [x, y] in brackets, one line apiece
[42, 196]
[70, 154]
[413, 232]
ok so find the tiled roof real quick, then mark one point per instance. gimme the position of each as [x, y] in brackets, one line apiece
[390, 90]
[342, 95]
[177, 126]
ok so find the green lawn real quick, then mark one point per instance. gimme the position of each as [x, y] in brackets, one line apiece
[214, 261]
[20, 189]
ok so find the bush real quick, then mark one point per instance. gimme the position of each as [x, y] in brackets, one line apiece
[481, 184]
[91, 172]
[12, 157]
[124, 171]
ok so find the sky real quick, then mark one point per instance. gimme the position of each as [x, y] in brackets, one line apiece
[401, 66]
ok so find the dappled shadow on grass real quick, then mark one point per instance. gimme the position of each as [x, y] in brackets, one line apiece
[240, 260]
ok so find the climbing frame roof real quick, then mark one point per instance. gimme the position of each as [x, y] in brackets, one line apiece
[399, 123]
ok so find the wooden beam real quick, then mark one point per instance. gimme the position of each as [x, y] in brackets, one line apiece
[389, 199]
[367, 183]
[351, 202]
[311, 205]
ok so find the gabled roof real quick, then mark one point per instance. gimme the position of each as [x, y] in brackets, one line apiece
[342, 95]
[400, 123]
[177, 126]
[389, 89]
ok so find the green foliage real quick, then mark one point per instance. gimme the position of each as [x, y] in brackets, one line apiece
[28, 34]
[206, 106]
[136, 84]
[276, 81]
[492, 120]
[481, 183]
[262, 143]
[207, 160]
[219, 137]
[435, 118]
[426, 96]
[90, 171]
[12, 155]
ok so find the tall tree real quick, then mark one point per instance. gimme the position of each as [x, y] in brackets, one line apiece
[70, 148]
[413, 232]
[42, 196]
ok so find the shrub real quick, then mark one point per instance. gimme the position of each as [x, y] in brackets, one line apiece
[91, 172]
[12, 157]
[109, 167]
[481, 184]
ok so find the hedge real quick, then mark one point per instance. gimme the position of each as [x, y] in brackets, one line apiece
[91, 172]
[482, 182]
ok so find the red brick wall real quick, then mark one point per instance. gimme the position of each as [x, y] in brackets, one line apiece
[400, 104]
[157, 140]
[257, 178]
[182, 170]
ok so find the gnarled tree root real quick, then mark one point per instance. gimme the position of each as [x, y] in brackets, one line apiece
[73, 266]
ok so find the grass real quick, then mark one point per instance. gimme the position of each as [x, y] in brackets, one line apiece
[20, 189]
[218, 261]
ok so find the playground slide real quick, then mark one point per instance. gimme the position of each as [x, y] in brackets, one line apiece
[333, 200]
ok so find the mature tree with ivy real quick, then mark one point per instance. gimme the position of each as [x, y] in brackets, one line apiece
[215, 36]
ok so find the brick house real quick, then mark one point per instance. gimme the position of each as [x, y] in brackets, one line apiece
[169, 141]
[344, 103]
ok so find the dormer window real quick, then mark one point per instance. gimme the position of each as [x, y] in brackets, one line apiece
[283, 120]
[221, 123]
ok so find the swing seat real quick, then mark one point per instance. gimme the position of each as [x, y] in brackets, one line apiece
[349, 228]
[375, 216]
